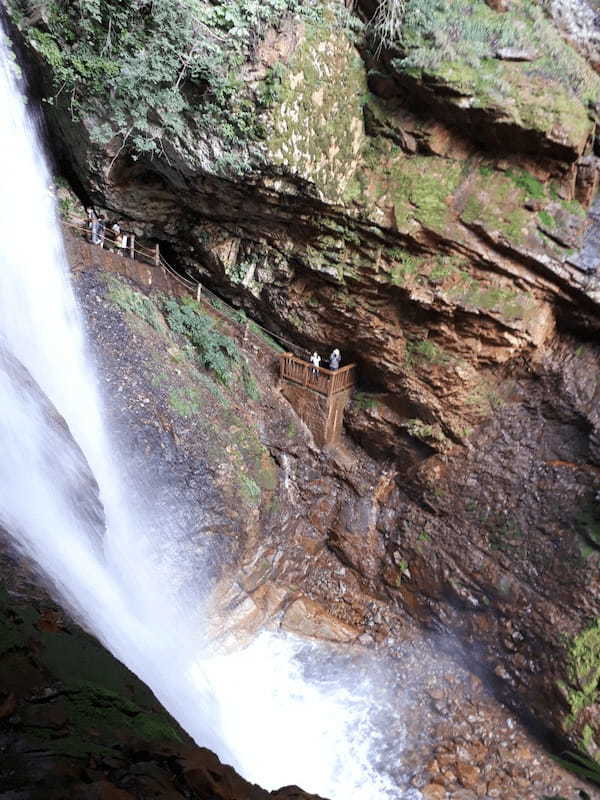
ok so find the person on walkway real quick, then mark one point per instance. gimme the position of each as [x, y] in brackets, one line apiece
[315, 360]
[121, 242]
[92, 225]
[100, 231]
[335, 359]
[115, 230]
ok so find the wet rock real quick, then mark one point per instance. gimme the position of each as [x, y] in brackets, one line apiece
[515, 53]
[77, 720]
[61, 456]
[308, 618]
[434, 791]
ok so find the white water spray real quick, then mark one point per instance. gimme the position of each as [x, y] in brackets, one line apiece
[254, 707]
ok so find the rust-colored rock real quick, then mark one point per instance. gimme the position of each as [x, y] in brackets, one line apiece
[434, 791]
[308, 618]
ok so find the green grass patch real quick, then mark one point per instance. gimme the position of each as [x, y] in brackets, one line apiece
[128, 299]
[364, 401]
[214, 350]
[425, 350]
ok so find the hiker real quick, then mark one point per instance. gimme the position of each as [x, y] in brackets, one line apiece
[114, 237]
[100, 231]
[121, 242]
[315, 360]
[92, 225]
[335, 359]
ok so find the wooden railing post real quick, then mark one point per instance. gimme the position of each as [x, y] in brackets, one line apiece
[157, 255]
[131, 245]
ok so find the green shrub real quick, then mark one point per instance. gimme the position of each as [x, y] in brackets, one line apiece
[215, 351]
[421, 430]
[425, 350]
[364, 401]
[131, 300]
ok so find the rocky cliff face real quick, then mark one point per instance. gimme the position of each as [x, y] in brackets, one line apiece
[425, 204]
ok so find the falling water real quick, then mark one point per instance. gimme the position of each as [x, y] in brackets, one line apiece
[243, 705]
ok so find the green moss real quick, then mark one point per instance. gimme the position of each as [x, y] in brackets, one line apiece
[364, 401]
[574, 207]
[496, 202]
[456, 43]
[530, 185]
[547, 219]
[583, 669]
[185, 401]
[316, 128]
[422, 188]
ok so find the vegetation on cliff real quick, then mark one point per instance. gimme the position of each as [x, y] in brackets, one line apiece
[159, 74]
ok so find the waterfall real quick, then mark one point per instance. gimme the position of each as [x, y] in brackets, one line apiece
[254, 708]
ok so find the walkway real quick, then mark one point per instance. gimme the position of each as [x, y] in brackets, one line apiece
[114, 260]
[324, 381]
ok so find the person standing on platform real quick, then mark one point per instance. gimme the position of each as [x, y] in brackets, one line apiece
[335, 359]
[315, 360]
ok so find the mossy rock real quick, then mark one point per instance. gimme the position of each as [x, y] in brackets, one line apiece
[316, 128]
[459, 54]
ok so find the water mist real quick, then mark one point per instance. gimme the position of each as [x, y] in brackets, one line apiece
[254, 707]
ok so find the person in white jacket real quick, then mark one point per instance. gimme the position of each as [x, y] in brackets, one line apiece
[315, 360]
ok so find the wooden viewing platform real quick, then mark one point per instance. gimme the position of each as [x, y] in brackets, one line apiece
[324, 381]
[318, 395]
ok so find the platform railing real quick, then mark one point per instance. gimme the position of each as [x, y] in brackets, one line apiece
[324, 381]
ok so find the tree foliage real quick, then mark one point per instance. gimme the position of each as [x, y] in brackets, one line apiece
[148, 70]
